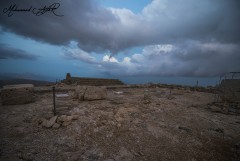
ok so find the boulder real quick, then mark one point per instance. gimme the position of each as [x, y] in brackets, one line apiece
[61, 118]
[79, 92]
[95, 93]
[56, 126]
[17, 94]
[49, 123]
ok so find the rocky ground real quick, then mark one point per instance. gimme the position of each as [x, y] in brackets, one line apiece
[137, 124]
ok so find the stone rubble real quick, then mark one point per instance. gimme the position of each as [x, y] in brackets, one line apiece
[58, 121]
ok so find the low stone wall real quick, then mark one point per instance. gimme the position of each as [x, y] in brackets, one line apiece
[17, 94]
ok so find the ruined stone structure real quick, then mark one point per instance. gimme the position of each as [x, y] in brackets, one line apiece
[17, 94]
[230, 90]
[91, 81]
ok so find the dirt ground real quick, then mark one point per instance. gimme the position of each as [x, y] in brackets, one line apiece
[147, 124]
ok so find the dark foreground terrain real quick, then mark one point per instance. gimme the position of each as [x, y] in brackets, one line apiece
[147, 124]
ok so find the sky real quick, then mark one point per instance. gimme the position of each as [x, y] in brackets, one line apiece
[160, 41]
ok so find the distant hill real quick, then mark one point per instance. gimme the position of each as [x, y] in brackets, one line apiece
[29, 76]
[23, 81]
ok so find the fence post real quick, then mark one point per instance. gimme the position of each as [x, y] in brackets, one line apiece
[54, 103]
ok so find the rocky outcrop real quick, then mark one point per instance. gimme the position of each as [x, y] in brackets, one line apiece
[80, 91]
[90, 93]
[95, 93]
[17, 94]
[49, 123]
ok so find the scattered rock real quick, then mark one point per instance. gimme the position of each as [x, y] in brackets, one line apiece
[184, 128]
[65, 120]
[68, 119]
[138, 154]
[92, 154]
[146, 98]
[75, 117]
[53, 120]
[49, 123]
[40, 121]
[66, 123]
[61, 118]
[77, 111]
[95, 93]
[170, 97]
[44, 122]
[124, 154]
[219, 130]
[215, 109]
[56, 126]
[26, 156]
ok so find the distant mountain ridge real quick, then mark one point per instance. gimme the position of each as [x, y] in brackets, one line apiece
[28, 76]
[24, 81]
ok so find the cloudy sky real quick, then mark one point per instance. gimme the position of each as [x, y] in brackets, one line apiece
[135, 41]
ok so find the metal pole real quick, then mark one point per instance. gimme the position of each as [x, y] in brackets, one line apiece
[54, 104]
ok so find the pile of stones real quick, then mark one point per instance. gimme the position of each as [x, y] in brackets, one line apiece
[57, 121]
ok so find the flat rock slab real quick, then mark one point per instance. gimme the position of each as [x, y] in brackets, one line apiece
[17, 94]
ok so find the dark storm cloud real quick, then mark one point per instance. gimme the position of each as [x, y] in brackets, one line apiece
[204, 35]
[83, 21]
[97, 29]
[7, 52]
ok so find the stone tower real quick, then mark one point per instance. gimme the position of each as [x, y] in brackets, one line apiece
[68, 78]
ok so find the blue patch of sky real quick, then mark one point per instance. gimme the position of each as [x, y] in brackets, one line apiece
[134, 6]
